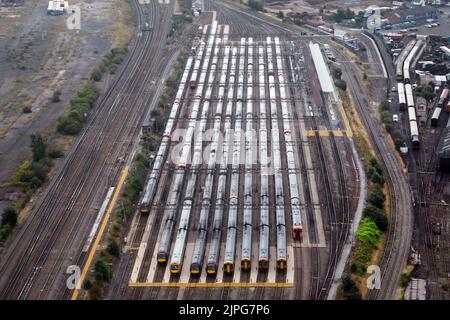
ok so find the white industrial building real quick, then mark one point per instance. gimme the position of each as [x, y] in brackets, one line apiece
[326, 83]
[57, 7]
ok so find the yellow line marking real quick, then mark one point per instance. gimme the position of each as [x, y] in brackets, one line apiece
[348, 129]
[211, 284]
[101, 231]
[325, 133]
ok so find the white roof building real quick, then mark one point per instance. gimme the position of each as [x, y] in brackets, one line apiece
[326, 83]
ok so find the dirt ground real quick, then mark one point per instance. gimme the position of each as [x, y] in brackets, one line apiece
[40, 54]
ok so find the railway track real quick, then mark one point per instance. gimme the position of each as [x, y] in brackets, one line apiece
[241, 23]
[37, 253]
[397, 246]
[428, 183]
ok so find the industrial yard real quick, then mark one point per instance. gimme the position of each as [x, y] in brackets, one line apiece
[251, 207]
[221, 150]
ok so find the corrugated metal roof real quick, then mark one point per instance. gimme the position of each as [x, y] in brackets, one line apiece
[325, 80]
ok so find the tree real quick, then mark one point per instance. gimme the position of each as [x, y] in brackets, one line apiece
[377, 198]
[55, 151]
[101, 271]
[404, 280]
[377, 179]
[96, 75]
[280, 14]
[384, 105]
[341, 84]
[38, 146]
[113, 248]
[351, 291]
[9, 216]
[374, 163]
[336, 72]
[378, 216]
[56, 96]
[368, 232]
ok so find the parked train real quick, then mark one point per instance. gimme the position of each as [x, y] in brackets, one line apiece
[297, 227]
[438, 110]
[176, 189]
[276, 153]
[409, 59]
[230, 242]
[401, 96]
[214, 246]
[263, 251]
[414, 129]
[152, 182]
[247, 224]
[200, 242]
[401, 59]
[176, 260]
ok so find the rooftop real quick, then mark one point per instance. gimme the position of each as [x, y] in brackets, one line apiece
[326, 83]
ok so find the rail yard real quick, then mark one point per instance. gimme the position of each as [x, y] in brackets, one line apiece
[257, 186]
[256, 206]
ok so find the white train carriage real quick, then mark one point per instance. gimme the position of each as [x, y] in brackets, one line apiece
[412, 114]
[175, 192]
[409, 95]
[401, 96]
[150, 188]
[414, 131]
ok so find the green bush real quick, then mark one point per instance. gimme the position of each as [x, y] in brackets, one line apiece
[386, 119]
[336, 73]
[368, 232]
[5, 231]
[374, 172]
[404, 280]
[101, 271]
[384, 105]
[26, 109]
[56, 96]
[378, 216]
[349, 288]
[38, 146]
[398, 143]
[95, 292]
[9, 216]
[113, 248]
[96, 75]
[87, 284]
[55, 151]
[377, 198]
[341, 84]
[84, 99]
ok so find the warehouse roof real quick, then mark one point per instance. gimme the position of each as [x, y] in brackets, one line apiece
[322, 69]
